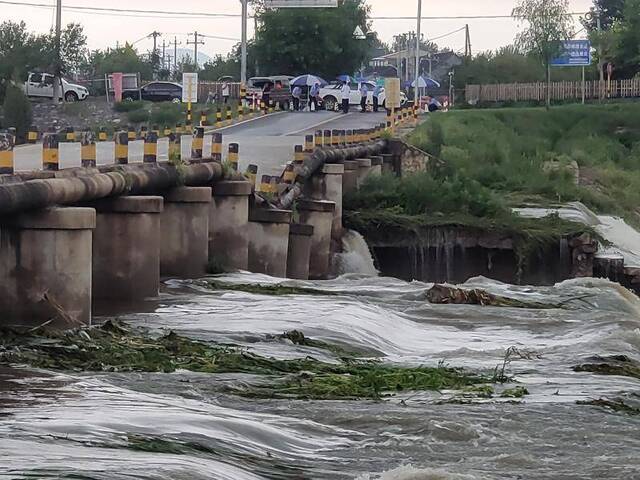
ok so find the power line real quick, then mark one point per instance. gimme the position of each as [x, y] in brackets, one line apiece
[446, 34]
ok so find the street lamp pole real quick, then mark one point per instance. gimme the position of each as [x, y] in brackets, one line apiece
[57, 79]
[418, 47]
[243, 60]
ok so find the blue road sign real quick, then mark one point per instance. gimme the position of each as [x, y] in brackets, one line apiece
[575, 53]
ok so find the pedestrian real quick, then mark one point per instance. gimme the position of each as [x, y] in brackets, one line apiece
[376, 96]
[297, 95]
[364, 93]
[345, 92]
[433, 104]
[225, 92]
[266, 96]
[314, 95]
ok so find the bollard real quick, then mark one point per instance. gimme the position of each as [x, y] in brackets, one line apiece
[216, 147]
[229, 116]
[151, 148]
[335, 138]
[189, 121]
[167, 132]
[327, 140]
[240, 112]
[197, 144]
[273, 184]
[143, 132]
[131, 133]
[69, 135]
[174, 143]
[389, 120]
[289, 174]
[308, 144]
[265, 181]
[88, 148]
[179, 131]
[50, 157]
[252, 109]
[102, 135]
[203, 118]
[343, 137]
[233, 156]
[122, 147]
[218, 117]
[7, 142]
[270, 106]
[32, 134]
[318, 140]
[298, 155]
[252, 175]
[263, 107]
[156, 129]
[352, 137]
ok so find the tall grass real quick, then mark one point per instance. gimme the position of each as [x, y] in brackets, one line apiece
[505, 151]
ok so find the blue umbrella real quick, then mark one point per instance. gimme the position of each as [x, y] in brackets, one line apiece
[426, 82]
[307, 81]
[344, 78]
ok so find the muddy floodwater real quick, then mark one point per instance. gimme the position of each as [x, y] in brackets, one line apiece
[184, 425]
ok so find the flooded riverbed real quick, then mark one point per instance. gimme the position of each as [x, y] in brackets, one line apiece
[185, 425]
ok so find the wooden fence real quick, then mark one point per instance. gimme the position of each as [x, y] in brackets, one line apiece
[523, 92]
[215, 88]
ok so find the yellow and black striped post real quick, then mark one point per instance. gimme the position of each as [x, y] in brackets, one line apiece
[179, 130]
[155, 129]
[131, 133]
[198, 143]
[343, 137]
[167, 132]
[218, 117]
[122, 147]
[102, 135]
[234, 156]
[263, 107]
[216, 147]
[243, 94]
[335, 138]
[265, 180]
[289, 174]
[69, 135]
[142, 134]
[273, 185]
[389, 120]
[174, 142]
[50, 157]
[298, 155]
[7, 142]
[240, 112]
[415, 113]
[88, 148]
[151, 148]
[252, 109]
[229, 115]
[270, 106]
[252, 174]
[32, 134]
[318, 140]
[204, 121]
[326, 138]
[308, 144]
[189, 121]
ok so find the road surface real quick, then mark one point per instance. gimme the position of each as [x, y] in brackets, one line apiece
[267, 142]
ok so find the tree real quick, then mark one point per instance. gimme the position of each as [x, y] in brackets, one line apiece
[625, 51]
[548, 24]
[17, 111]
[609, 12]
[312, 40]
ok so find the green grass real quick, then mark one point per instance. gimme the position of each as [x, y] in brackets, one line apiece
[505, 150]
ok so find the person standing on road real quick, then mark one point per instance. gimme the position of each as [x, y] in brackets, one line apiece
[225, 92]
[364, 92]
[345, 92]
[376, 96]
[314, 94]
[266, 96]
[297, 95]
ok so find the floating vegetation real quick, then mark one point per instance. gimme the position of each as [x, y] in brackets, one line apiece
[611, 365]
[262, 289]
[616, 405]
[516, 392]
[443, 294]
[115, 346]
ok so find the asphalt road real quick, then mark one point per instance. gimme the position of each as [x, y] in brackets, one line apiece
[264, 141]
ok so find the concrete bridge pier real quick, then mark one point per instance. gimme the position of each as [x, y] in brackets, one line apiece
[184, 232]
[299, 251]
[376, 165]
[319, 214]
[45, 266]
[126, 249]
[328, 185]
[229, 226]
[364, 170]
[350, 177]
[269, 241]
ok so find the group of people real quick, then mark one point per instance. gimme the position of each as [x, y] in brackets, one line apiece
[314, 98]
[345, 93]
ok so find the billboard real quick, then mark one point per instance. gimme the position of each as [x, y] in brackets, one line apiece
[300, 3]
[574, 53]
[190, 87]
[392, 92]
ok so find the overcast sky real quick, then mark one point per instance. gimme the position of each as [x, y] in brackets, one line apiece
[104, 30]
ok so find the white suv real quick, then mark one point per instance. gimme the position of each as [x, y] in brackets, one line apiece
[41, 85]
[332, 97]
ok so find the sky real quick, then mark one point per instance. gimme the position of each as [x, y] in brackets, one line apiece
[106, 30]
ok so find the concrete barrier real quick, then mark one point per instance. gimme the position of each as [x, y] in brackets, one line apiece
[364, 170]
[229, 225]
[319, 214]
[184, 229]
[376, 165]
[269, 241]
[350, 177]
[126, 248]
[299, 251]
[45, 266]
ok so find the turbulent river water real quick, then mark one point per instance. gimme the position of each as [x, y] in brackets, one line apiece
[79, 425]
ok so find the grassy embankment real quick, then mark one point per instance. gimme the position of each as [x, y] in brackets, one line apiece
[493, 160]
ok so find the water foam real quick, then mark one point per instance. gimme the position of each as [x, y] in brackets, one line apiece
[355, 257]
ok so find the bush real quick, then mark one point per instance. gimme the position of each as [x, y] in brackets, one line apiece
[128, 106]
[167, 114]
[17, 111]
[138, 116]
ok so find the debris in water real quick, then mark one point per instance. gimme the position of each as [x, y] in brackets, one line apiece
[443, 294]
[616, 405]
[611, 365]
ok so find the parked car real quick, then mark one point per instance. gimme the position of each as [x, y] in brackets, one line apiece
[41, 85]
[331, 95]
[255, 85]
[156, 92]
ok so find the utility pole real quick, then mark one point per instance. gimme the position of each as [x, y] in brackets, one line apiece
[154, 54]
[195, 44]
[175, 53]
[164, 54]
[467, 42]
[57, 79]
[243, 61]
[418, 36]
